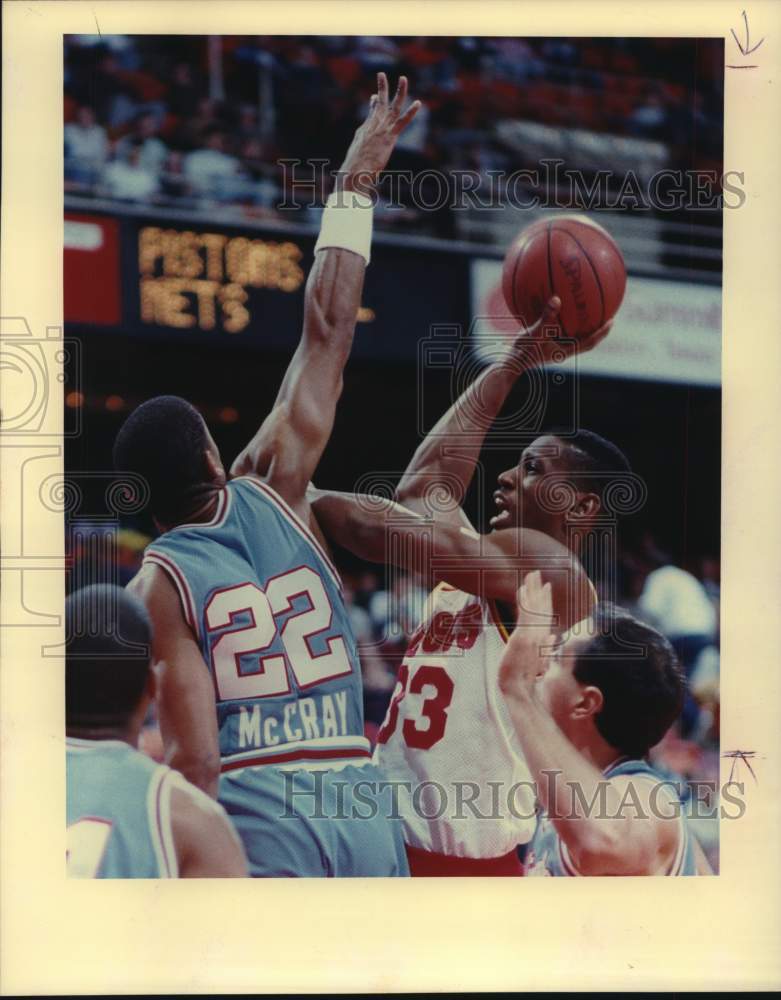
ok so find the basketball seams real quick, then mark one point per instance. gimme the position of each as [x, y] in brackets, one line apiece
[550, 275]
[582, 249]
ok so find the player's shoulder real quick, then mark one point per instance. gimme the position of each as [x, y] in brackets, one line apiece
[205, 841]
[256, 492]
[646, 794]
[529, 541]
[190, 803]
[194, 814]
[147, 580]
[154, 587]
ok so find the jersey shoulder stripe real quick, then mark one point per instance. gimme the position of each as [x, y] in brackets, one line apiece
[295, 522]
[158, 803]
[179, 580]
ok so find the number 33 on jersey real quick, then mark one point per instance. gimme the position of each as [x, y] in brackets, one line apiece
[448, 736]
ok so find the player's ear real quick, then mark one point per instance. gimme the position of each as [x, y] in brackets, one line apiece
[589, 703]
[587, 505]
[214, 466]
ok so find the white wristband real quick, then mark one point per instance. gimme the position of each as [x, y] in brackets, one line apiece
[347, 223]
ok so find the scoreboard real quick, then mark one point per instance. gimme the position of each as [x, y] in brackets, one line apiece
[164, 278]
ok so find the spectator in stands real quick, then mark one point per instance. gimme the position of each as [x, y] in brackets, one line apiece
[127, 179]
[378, 54]
[650, 117]
[678, 605]
[183, 94]
[86, 147]
[263, 184]
[211, 173]
[704, 686]
[246, 125]
[194, 130]
[153, 151]
[172, 180]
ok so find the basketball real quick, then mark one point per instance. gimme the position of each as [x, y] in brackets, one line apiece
[571, 257]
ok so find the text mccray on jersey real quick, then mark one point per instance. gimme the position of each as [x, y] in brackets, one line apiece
[265, 603]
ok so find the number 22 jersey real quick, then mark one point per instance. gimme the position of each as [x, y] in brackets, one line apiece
[265, 603]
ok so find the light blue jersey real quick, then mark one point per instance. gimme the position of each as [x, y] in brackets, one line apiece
[265, 603]
[266, 606]
[118, 810]
[547, 853]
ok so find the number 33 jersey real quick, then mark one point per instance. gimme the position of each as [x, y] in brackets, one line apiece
[448, 741]
[265, 603]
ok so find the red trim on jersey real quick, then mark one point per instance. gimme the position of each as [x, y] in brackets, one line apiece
[497, 620]
[284, 758]
[220, 512]
[296, 522]
[167, 564]
[429, 864]
[160, 831]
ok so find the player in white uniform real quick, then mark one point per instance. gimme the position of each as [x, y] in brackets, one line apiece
[465, 792]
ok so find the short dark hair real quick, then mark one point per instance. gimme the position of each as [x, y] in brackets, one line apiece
[593, 456]
[163, 441]
[108, 634]
[643, 694]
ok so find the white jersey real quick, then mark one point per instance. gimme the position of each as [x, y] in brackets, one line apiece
[448, 740]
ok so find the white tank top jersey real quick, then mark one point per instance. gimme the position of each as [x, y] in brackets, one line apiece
[448, 740]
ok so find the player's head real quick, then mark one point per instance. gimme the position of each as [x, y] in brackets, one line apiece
[108, 680]
[575, 468]
[621, 685]
[167, 443]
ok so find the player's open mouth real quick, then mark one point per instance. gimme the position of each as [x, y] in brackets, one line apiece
[503, 513]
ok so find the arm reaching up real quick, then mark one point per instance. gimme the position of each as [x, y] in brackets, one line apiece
[287, 447]
[448, 455]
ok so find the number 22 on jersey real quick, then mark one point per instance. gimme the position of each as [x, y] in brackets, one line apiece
[262, 606]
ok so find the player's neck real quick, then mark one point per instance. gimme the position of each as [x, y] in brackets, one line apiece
[201, 507]
[600, 753]
[120, 734]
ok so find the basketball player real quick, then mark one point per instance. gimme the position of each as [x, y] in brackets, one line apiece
[586, 712]
[260, 699]
[128, 817]
[447, 725]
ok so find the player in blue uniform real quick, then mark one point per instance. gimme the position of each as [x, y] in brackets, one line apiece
[587, 711]
[128, 817]
[260, 700]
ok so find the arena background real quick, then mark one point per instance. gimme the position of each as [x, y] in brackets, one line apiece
[182, 275]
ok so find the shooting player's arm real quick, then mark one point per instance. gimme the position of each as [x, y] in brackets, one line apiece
[447, 457]
[185, 698]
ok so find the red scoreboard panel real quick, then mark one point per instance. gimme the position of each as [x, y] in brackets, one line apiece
[91, 270]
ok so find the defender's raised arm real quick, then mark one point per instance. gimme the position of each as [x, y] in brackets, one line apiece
[287, 447]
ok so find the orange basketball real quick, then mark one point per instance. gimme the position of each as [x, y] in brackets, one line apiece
[569, 256]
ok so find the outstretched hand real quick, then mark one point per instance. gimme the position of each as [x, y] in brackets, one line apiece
[549, 339]
[375, 139]
[527, 653]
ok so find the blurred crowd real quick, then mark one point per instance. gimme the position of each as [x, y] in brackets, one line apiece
[198, 121]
